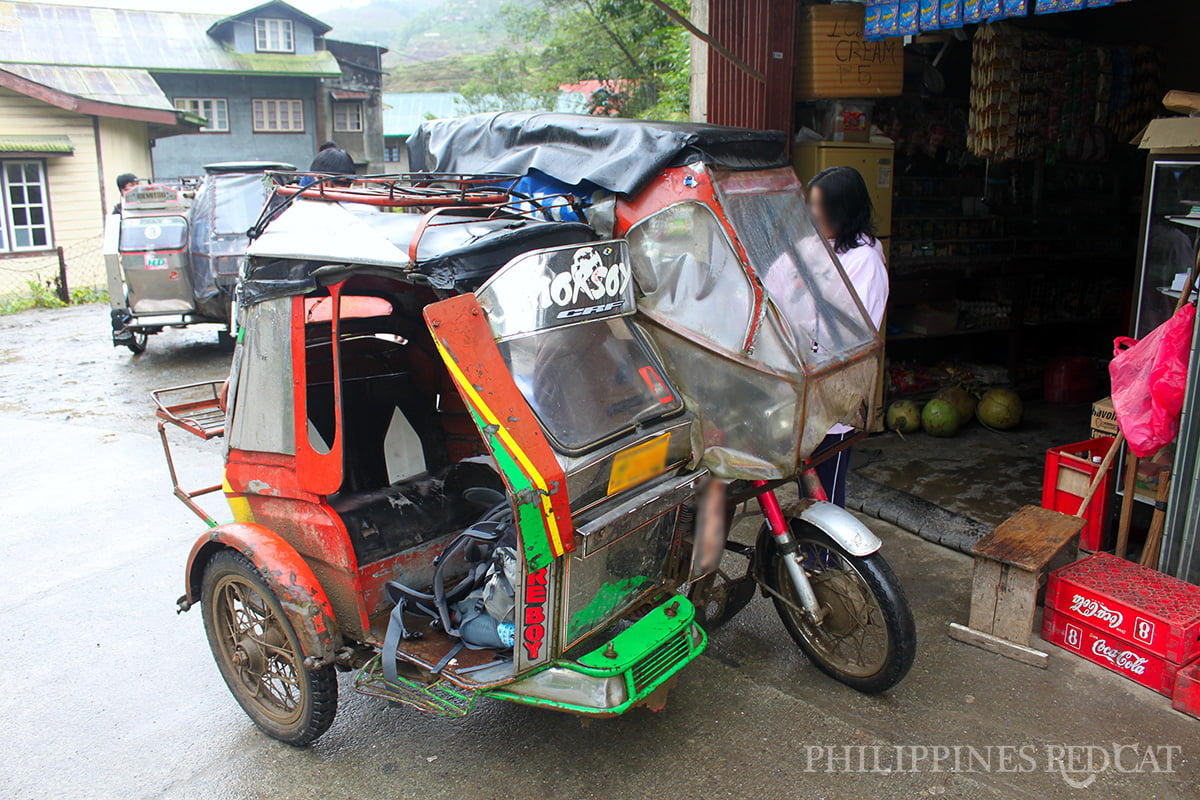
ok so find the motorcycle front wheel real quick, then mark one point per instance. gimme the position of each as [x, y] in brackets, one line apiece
[866, 638]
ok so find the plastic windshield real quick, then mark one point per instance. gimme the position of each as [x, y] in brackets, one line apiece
[561, 319]
[139, 234]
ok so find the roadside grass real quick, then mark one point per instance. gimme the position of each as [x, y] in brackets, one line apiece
[43, 294]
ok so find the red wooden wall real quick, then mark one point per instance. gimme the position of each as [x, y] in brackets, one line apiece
[762, 33]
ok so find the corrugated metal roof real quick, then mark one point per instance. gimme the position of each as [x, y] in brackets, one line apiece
[317, 25]
[126, 87]
[37, 144]
[158, 41]
[404, 111]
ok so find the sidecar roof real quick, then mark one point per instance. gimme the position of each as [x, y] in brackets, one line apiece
[315, 240]
[619, 155]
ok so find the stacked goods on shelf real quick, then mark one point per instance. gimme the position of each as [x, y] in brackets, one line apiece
[1127, 618]
[1045, 97]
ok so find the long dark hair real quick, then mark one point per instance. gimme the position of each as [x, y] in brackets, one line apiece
[847, 206]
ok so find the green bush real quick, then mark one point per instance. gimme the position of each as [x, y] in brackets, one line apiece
[89, 294]
[39, 294]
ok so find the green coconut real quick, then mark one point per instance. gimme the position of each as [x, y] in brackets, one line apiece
[962, 400]
[1000, 409]
[903, 416]
[940, 418]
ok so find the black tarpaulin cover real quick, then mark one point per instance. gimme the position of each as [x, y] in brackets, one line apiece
[619, 155]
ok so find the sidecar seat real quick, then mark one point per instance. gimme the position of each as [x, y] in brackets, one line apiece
[396, 518]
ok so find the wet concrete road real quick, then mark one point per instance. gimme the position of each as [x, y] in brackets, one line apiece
[109, 694]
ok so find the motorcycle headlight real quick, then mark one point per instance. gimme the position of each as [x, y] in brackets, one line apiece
[574, 688]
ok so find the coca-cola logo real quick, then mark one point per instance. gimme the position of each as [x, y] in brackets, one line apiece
[1121, 659]
[1094, 609]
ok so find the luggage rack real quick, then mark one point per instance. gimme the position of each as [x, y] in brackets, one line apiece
[401, 190]
[492, 194]
[203, 417]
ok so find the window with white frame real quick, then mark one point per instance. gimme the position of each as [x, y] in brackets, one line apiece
[278, 116]
[274, 35]
[25, 223]
[213, 109]
[347, 117]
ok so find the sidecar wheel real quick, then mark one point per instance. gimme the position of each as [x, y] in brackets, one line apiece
[867, 639]
[137, 345]
[259, 655]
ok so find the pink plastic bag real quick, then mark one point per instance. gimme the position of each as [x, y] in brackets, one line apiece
[1149, 378]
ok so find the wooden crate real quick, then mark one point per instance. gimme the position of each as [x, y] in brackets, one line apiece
[833, 60]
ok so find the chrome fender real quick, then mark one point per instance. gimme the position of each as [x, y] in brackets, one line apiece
[838, 524]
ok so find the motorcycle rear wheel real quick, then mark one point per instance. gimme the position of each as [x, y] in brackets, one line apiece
[867, 638]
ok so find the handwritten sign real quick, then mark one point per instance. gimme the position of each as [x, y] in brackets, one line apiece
[833, 60]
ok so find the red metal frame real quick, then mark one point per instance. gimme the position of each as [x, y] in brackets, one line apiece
[681, 184]
[204, 418]
[460, 328]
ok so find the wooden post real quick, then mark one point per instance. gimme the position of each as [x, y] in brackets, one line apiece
[64, 292]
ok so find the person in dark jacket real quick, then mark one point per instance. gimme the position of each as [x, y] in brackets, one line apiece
[333, 160]
[125, 182]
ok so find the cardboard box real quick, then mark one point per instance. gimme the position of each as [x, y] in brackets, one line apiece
[1110, 652]
[1104, 418]
[1170, 134]
[834, 61]
[844, 120]
[1152, 611]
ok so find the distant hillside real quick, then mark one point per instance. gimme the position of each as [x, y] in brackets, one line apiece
[422, 30]
[447, 74]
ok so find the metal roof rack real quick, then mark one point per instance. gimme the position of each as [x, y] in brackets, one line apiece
[488, 195]
[402, 190]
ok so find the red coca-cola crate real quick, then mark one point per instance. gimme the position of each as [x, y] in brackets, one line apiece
[1187, 690]
[1069, 471]
[1110, 652]
[1154, 612]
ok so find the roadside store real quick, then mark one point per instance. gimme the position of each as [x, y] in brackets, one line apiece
[1037, 201]
[1001, 144]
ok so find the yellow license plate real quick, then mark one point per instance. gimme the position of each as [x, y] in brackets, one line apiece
[631, 467]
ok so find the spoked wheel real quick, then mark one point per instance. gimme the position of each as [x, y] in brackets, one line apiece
[259, 655]
[867, 638]
[137, 345]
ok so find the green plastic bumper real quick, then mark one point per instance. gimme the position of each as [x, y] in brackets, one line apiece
[617, 676]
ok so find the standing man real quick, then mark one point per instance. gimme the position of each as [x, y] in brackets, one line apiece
[125, 182]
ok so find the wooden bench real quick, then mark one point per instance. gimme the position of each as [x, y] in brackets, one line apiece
[1011, 565]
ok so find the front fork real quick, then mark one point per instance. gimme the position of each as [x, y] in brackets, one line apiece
[787, 547]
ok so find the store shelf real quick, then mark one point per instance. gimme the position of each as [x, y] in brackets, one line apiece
[909, 336]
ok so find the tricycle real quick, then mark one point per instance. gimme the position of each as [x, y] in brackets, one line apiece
[173, 251]
[487, 428]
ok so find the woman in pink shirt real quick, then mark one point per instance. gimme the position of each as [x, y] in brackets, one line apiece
[842, 210]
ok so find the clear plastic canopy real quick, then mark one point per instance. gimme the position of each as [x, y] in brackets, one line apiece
[770, 351]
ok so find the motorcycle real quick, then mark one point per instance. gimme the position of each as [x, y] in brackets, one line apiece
[486, 430]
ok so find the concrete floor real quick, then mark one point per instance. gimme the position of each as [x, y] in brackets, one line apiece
[110, 694]
[979, 473]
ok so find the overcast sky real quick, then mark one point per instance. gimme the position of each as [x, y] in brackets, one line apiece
[314, 7]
